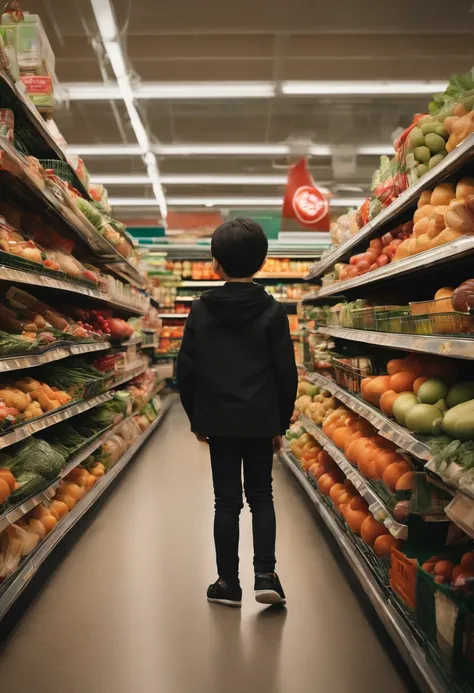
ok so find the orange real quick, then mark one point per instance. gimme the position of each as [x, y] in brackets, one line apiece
[387, 400]
[403, 381]
[395, 366]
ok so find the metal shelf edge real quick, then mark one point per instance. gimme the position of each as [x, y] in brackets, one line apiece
[398, 630]
[453, 347]
[14, 363]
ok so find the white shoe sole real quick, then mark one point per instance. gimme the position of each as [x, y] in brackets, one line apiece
[269, 597]
[225, 602]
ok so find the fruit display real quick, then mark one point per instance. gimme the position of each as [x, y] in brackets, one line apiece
[332, 483]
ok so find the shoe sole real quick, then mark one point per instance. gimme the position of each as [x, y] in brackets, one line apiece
[270, 597]
[225, 602]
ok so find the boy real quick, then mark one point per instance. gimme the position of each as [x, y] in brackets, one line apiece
[237, 380]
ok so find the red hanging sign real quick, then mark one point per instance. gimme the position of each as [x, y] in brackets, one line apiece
[304, 202]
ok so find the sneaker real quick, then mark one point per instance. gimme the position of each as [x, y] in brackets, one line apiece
[222, 593]
[268, 589]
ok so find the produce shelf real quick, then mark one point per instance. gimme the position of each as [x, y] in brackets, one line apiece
[449, 252]
[130, 374]
[16, 168]
[14, 514]
[67, 412]
[29, 114]
[460, 156]
[399, 630]
[376, 506]
[14, 586]
[8, 274]
[454, 347]
[15, 363]
[386, 427]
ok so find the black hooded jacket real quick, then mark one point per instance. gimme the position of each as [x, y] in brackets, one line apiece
[236, 368]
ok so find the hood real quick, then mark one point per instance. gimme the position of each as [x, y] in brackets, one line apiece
[236, 302]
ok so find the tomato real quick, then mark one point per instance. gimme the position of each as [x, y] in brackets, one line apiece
[373, 266]
[386, 239]
[382, 260]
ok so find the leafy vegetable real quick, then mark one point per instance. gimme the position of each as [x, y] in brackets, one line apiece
[460, 87]
[89, 211]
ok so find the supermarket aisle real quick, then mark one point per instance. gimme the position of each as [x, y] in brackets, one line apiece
[126, 609]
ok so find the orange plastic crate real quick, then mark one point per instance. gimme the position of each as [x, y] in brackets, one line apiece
[403, 575]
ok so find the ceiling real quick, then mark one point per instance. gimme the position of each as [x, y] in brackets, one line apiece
[254, 40]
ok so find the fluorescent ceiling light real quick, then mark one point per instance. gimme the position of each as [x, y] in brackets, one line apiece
[223, 149]
[117, 60]
[92, 91]
[107, 24]
[105, 19]
[197, 179]
[360, 88]
[376, 150]
[236, 201]
[215, 149]
[79, 91]
[105, 150]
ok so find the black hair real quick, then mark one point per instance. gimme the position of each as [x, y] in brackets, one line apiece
[240, 247]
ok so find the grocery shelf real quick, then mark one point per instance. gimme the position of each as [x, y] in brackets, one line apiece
[387, 428]
[448, 252]
[14, 586]
[13, 164]
[396, 626]
[460, 156]
[376, 506]
[58, 415]
[50, 149]
[15, 276]
[14, 363]
[454, 347]
[130, 374]
[16, 513]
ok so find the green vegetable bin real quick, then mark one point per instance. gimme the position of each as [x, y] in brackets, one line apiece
[446, 617]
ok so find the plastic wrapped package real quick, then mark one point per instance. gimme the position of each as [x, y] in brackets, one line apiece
[344, 227]
[129, 431]
[11, 551]
[388, 182]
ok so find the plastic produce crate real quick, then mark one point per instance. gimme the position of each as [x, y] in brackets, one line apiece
[452, 323]
[363, 318]
[403, 577]
[446, 617]
[440, 305]
[389, 318]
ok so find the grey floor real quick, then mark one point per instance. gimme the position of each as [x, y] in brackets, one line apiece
[125, 612]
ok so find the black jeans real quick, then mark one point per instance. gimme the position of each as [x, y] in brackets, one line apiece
[226, 459]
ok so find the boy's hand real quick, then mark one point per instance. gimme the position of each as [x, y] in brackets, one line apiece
[201, 438]
[277, 443]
